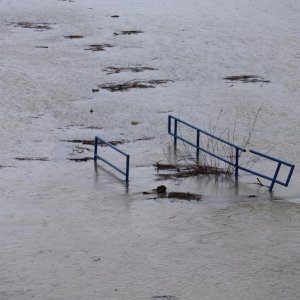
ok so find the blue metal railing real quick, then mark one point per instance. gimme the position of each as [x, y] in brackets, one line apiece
[96, 156]
[238, 152]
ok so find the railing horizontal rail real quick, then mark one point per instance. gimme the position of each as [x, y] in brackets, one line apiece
[96, 156]
[207, 133]
[204, 150]
[238, 151]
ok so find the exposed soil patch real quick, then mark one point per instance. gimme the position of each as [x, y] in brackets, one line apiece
[32, 158]
[116, 70]
[133, 84]
[184, 171]
[98, 47]
[82, 159]
[38, 26]
[73, 37]
[128, 32]
[246, 78]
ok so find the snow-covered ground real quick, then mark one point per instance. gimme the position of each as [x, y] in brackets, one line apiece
[75, 231]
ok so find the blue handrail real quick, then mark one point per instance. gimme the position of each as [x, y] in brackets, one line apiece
[238, 151]
[96, 156]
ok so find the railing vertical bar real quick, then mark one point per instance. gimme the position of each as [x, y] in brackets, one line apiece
[96, 148]
[169, 124]
[237, 162]
[175, 132]
[275, 177]
[289, 176]
[198, 145]
[127, 168]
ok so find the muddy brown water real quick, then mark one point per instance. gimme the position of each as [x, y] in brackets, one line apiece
[75, 230]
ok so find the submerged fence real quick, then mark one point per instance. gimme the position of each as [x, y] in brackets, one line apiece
[98, 140]
[237, 150]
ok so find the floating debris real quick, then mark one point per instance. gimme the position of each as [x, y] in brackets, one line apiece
[42, 47]
[82, 159]
[164, 297]
[133, 84]
[73, 37]
[38, 26]
[128, 32]
[185, 196]
[135, 123]
[98, 47]
[32, 158]
[116, 70]
[92, 142]
[247, 78]
[115, 16]
[116, 142]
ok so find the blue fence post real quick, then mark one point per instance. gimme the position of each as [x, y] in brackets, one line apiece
[127, 168]
[237, 152]
[96, 148]
[275, 177]
[169, 124]
[198, 145]
[175, 132]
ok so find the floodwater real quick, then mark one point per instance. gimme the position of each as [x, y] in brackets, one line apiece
[75, 230]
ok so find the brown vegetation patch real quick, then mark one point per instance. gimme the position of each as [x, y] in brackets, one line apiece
[38, 26]
[128, 32]
[116, 70]
[73, 37]
[98, 47]
[184, 171]
[133, 84]
[246, 78]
